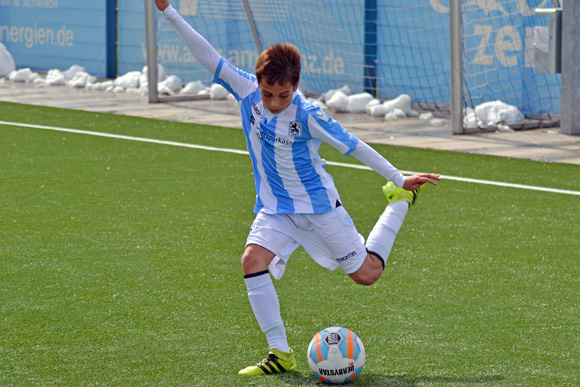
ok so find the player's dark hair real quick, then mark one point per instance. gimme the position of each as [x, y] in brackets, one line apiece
[279, 63]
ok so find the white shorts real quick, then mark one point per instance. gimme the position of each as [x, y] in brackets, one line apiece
[331, 239]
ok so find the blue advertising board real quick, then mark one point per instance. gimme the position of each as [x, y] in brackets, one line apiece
[131, 35]
[384, 47]
[47, 34]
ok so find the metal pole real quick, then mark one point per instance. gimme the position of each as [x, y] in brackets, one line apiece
[250, 17]
[570, 115]
[456, 43]
[151, 51]
[370, 52]
[112, 30]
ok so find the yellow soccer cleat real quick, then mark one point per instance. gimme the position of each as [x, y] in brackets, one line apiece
[277, 362]
[394, 193]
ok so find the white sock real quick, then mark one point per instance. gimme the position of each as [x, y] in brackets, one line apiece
[383, 234]
[266, 307]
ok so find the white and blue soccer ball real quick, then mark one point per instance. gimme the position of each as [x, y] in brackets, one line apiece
[336, 355]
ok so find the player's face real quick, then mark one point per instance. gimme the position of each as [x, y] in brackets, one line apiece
[277, 97]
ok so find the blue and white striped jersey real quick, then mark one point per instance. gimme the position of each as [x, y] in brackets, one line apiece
[289, 174]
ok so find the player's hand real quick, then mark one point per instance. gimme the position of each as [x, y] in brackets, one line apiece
[162, 4]
[415, 181]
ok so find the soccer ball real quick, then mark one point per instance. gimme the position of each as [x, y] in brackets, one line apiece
[336, 355]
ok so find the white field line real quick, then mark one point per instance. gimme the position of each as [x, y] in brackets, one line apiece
[241, 152]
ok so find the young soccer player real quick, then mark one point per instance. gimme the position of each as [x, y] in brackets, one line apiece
[297, 202]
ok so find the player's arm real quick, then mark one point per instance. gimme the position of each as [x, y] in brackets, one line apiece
[372, 159]
[328, 130]
[199, 47]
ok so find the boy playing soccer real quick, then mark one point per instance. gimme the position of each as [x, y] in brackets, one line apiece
[297, 202]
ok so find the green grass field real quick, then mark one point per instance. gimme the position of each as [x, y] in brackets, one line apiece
[119, 265]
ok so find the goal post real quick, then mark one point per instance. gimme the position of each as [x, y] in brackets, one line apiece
[456, 58]
[151, 36]
[151, 20]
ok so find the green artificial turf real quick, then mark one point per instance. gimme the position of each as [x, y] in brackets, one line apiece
[119, 265]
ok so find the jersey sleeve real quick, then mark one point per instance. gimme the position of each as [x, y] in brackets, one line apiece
[372, 159]
[326, 129]
[235, 80]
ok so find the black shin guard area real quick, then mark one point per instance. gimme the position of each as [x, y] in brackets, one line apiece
[261, 273]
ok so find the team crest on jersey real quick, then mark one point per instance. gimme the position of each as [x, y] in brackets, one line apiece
[295, 129]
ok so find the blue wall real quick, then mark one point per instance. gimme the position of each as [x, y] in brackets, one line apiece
[55, 34]
[409, 59]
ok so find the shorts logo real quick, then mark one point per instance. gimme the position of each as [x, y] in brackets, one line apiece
[295, 129]
[350, 255]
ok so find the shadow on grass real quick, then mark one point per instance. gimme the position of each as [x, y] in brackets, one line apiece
[295, 378]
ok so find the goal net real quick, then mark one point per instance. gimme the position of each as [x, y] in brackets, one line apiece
[498, 61]
[383, 49]
[386, 48]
